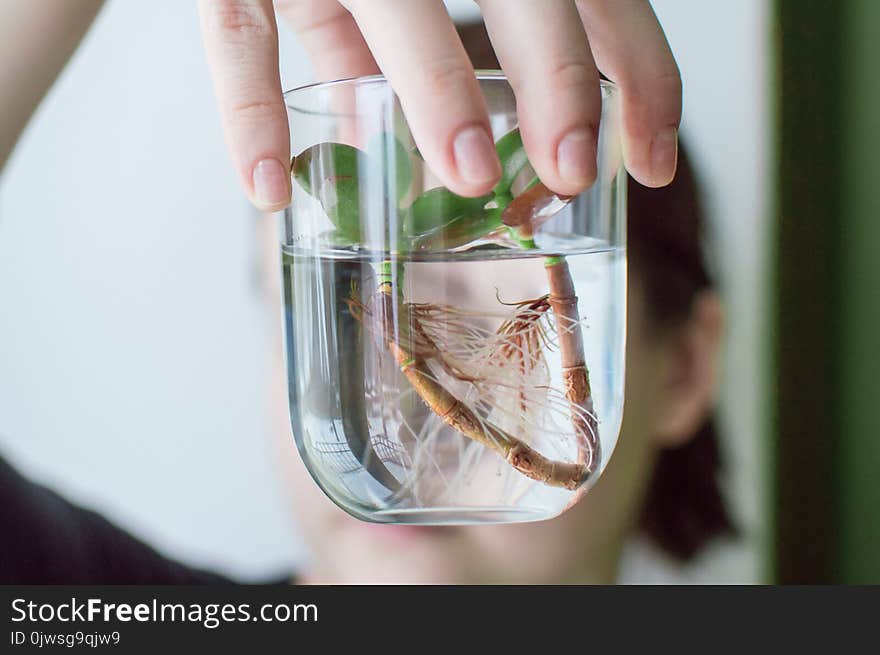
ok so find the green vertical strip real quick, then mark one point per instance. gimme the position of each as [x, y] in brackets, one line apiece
[858, 466]
[807, 279]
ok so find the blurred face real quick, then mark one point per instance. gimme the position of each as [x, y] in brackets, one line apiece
[581, 545]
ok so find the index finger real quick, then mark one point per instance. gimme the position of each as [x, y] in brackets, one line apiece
[241, 41]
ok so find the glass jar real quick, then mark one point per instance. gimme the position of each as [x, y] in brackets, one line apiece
[450, 360]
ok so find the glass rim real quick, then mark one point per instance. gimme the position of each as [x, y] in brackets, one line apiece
[482, 74]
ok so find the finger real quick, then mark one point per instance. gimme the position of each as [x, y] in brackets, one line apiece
[631, 49]
[544, 51]
[416, 46]
[330, 36]
[241, 41]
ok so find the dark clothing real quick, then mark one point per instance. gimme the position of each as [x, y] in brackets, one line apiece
[46, 540]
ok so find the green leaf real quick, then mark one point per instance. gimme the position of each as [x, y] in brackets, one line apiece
[459, 231]
[345, 210]
[325, 161]
[388, 153]
[437, 207]
[333, 172]
[329, 172]
[513, 158]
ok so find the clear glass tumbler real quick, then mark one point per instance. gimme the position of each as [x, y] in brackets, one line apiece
[450, 360]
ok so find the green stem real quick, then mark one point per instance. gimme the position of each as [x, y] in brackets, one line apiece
[525, 242]
[386, 272]
[391, 272]
[528, 243]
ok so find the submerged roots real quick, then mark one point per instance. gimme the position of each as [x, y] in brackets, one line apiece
[493, 387]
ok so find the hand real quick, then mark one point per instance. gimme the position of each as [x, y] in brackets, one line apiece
[551, 51]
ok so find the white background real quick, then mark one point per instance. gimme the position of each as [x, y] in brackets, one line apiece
[134, 347]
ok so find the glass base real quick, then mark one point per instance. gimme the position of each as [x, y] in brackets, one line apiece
[460, 515]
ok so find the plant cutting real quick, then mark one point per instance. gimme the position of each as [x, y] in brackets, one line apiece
[490, 386]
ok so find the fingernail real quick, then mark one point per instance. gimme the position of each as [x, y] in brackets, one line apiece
[271, 187]
[576, 156]
[664, 154]
[475, 156]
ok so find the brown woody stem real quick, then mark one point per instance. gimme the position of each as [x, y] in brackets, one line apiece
[576, 377]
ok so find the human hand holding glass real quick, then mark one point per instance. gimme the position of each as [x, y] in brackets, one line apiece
[551, 52]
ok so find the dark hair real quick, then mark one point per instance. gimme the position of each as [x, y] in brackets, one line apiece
[684, 507]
